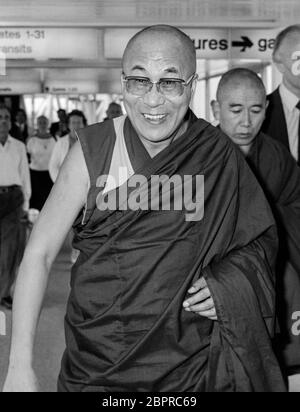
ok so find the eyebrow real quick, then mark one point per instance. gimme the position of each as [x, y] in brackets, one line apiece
[172, 70]
[232, 105]
[139, 68]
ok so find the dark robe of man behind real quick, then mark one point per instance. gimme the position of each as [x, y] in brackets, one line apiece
[126, 329]
[279, 176]
[275, 123]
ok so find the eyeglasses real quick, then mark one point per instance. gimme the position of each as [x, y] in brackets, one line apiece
[139, 86]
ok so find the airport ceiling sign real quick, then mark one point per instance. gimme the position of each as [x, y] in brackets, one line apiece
[209, 43]
[71, 87]
[254, 44]
[49, 43]
[19, 87]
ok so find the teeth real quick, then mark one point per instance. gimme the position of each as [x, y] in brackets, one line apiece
[154, 117]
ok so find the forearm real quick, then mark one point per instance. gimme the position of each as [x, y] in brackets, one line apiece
[28, 299]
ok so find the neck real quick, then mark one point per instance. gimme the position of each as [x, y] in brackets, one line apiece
[292, 89]
[154, 148]
[3, 139]
[246, 149]
[43, 134]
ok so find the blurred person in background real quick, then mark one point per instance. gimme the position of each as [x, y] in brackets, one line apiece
[60, 128]
[240, 108]
[283, 113]
[40, 147]
[15, 191]
[20, 129]
[114, 110]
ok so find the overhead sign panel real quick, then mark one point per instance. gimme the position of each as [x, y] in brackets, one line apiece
[71, 87]
[49, 43]
[252, 43]
[18, 87]
[209, 43]
[115, 41]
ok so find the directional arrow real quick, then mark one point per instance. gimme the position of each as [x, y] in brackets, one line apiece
[245, 43]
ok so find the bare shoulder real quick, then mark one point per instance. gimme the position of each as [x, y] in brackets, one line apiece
[73, 177]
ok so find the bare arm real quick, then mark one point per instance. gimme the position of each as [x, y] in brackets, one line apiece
[25, 176]
[65, 202]
[55, 160]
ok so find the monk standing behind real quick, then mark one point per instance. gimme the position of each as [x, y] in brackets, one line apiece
[126, 328]
[240, 108]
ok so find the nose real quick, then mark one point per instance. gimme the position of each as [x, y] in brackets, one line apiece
[154, 98]
[246, 119]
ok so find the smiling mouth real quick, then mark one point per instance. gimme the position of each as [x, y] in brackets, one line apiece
[154, 118]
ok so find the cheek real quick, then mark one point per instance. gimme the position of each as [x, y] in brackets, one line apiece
[129, 104]
[229, 121]
[178, 108]
[259, 121]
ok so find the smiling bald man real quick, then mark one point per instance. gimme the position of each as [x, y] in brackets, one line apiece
[146, 249]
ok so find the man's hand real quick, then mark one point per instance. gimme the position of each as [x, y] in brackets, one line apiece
[201, 302]
[21, 381]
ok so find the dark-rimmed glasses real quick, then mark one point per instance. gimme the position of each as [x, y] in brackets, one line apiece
[139, 86]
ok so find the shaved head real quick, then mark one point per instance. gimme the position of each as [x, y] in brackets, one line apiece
[237, 78]
[286, 38]
[162, 36]
[241, 106]
[158, 54]
[286, 57]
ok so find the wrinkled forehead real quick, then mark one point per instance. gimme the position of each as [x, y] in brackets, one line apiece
[154, 54]
[239, 90]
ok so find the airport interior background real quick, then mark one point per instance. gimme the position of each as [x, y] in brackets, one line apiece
[67, 54]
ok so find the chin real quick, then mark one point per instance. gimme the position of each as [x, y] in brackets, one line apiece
[155, 136]
[154, 139]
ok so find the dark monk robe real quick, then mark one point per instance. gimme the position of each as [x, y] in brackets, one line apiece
[12, 236]
[126, 329]
[279, 175]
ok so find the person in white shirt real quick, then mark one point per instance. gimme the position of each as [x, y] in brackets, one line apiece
[283, 114]
[15, 192]
[40, 148]
[76, 120]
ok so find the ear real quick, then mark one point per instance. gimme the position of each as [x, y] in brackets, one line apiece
[123, 84]
[194, 85]
[266, 107]
[280, 66]
[215, 106]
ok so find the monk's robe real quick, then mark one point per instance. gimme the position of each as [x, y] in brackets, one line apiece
[12, 237]
[126, 329]
[279, 175]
